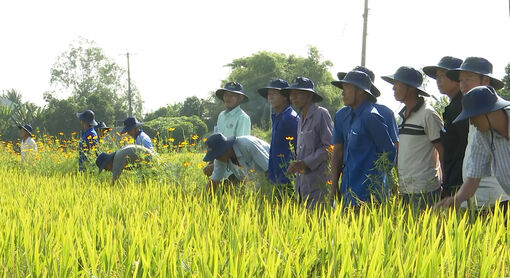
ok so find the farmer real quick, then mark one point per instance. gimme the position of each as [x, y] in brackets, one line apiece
[384, 111]
[89, 140]
[477, 71]
[28, 145]
[360, 137]
[490, 147]
[419, 140]
[133, 127]
[129, 155]
[283, 136]
[232, 121]
[453, 136]
[313, 142]
[242, 155]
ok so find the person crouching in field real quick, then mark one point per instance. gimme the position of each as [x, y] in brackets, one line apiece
[283, 134]
[242, 155]
[116, 162]
[313, 142]
[360, 138]
[132, 127]
[28, 145]
[89, 140]
[490, 149]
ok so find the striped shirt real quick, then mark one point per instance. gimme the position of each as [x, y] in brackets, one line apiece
[486, 160]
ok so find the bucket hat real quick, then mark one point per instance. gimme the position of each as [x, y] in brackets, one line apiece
[27, 128]
[375, 92]
[476, 65]
[232, 87]
[277, 84]
[480, 100]
[103, 159]
[130, 123]
[409, 76]
[302, 84]
[358, 79]
[87, 116]
[446, 63]
[217, 144]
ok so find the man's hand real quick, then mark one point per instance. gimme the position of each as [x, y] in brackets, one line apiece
[448, 202]
[208, 170]
[297, 167]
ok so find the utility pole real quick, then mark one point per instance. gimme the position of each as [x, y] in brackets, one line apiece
[130, 97]
[364, 43]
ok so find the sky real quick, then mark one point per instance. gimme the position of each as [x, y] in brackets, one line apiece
[180, 48]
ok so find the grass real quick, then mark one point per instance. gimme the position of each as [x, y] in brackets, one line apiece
[60, 223]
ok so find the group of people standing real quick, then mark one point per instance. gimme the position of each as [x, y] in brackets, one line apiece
[436, 157]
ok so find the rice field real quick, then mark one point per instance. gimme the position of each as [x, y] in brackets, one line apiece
[163, 223]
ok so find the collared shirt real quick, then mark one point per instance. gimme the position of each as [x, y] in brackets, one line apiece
[418, 166]
[88, 142]
[454, 138]
[129, 154]
[389, 120]
[233, 123]
[284, 134]
[365, 136]
[143, 139]
[252, 155]
[28, 147]
[490, 160]
[314, 139]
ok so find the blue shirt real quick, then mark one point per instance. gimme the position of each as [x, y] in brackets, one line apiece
[143, 139]
[364, 135]
[283, 134]
[389, 120]
[87, 142]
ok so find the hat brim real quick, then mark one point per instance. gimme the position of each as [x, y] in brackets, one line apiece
[130, 127]
[92, 123]
[430, 71]
[217, 152]
[500, 104]
[220, 92]
[22, 127]
[340, 83]
[375, 92]
[316, 97]
[108, 158]
[263, 91]
[495, 83]
[391, 79]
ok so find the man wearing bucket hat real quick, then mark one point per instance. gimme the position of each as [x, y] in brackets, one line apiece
[232, 121]
[419, 139]
[117, 161]
[490, 153]
[386, 113]
[313, 142]
[133, 127]
[28, 145]
[360, 137]
[243, 155]
[283, 135]
[477, 71]
[102, 129]
[89, 140]
[453, 136]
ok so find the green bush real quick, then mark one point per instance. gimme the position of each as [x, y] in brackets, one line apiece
[179, 128]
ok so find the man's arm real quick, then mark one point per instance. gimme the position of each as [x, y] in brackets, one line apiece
[337, 166]
[438, 145]
[466, 191]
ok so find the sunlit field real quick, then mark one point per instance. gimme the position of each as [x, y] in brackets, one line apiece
[162, 222]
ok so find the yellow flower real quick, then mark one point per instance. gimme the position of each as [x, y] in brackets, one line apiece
[330, 182]
[186, 164]
[252, 170]
[330, 148]
[61, 133]
[194, 137]
[171, 139]
[171, 129]
[205, 139]
[289, 138]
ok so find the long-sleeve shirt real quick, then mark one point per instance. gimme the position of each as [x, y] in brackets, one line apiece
[130, 154]
[314, 139]
[28, 147]
[365, 136]
[284, 133]
[142, 139]
[251, 153]
[88, 142]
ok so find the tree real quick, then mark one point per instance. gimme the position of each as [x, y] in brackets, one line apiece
[92, 81]
[192, 106]
[505, 92]
[256, 71]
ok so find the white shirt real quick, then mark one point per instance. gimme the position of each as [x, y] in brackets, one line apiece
[28, 146]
